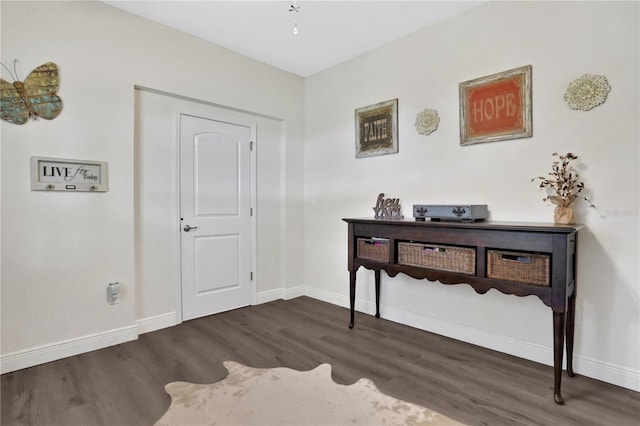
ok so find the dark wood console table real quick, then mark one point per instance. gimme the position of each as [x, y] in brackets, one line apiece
[484, 255]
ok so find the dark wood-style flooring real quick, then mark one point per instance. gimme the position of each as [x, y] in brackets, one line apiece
[124, 385]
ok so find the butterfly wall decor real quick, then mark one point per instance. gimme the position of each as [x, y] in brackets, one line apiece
[35, 97]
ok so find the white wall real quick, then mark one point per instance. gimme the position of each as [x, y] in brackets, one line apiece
[562, 41]
[59, 250]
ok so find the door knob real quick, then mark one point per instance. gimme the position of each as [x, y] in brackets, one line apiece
[188, 228]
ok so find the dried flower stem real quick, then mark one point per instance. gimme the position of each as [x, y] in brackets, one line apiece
[564, 182]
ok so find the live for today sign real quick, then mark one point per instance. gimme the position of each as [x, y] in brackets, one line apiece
[56, 174]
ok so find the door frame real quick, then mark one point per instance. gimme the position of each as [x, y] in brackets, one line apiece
[211, 112]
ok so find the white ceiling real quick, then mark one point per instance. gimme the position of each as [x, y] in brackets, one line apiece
[329, 32]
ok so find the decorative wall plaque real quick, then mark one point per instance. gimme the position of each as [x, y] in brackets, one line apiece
[587, 92]
[377, 129]
[496, 107]
[33, 98]
[56, 174]
[427, 121]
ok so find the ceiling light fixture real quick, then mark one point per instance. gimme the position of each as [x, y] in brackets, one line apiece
[295, 8]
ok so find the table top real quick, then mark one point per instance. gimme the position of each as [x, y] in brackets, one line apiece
[481, 224]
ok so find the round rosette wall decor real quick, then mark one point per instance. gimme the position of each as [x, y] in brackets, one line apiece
[587, 92]
[427, 121]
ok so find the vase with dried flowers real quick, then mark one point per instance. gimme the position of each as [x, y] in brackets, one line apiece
[566, 186]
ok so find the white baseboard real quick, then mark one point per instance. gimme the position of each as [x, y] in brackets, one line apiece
[47, 353]
[158, 322]
[279, 293]
[292, 293]
[599, 370]
[607, 372]
[334, 299]
[269, 296]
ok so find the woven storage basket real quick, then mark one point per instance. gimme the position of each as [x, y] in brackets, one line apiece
[445, 258]
[521, 267]
[373, 249]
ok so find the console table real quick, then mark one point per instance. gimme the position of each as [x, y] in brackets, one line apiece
[515, 258]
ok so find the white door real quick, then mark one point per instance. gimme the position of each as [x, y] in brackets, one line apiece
[215, 203]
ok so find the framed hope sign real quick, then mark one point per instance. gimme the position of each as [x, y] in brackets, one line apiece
[496, 107]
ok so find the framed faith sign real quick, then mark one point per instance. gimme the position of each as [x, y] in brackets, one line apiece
[377, 129]
[57, 174]
[496, 107]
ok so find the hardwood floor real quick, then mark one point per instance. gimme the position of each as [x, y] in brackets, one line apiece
[124, 385]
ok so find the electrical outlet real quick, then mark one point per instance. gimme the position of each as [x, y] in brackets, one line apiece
[113, 290]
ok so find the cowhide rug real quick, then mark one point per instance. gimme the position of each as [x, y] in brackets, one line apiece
[281, 396]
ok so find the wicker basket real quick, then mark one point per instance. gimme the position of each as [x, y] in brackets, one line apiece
[373, 249]
[445, 258]
[521, 267]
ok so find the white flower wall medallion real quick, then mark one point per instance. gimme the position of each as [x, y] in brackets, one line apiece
[587, 92]
[427, 121]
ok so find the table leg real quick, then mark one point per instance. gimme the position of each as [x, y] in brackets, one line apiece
[571, 316]
[352, 296]
[558, 347]
[377, 275]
